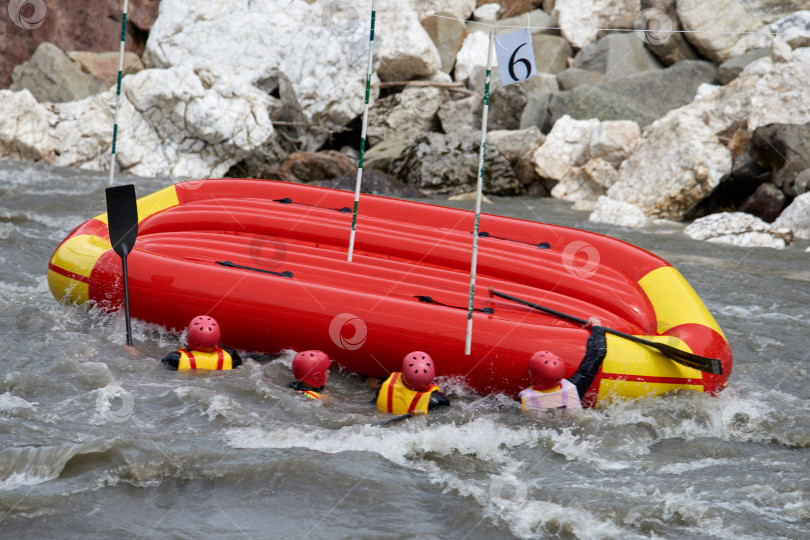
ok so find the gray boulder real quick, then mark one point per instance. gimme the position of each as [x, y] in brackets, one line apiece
[785, 149]
[551, 53]
[573, 77]
[659, 28]
[643, 97]
[448, 164]
[409, 114]
[448, 35]
[51, 76]
[731, 69]
[617, 56]
[508, 103]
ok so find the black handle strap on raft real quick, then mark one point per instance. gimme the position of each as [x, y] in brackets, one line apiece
[541, 245]
[695, 361]
[429, 300]
[287, 200]
[229, 264]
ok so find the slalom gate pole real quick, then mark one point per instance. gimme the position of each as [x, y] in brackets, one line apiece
[363, 131]
[118, 90]
[479, 190]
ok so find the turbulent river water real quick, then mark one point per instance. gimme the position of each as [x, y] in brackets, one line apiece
[98, 444]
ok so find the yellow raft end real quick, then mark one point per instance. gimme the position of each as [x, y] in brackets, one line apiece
[632, 370]
[72, 263]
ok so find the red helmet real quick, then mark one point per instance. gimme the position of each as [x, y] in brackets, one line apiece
[418, 370]
[546, 370]
[310, 367]
[203, 333]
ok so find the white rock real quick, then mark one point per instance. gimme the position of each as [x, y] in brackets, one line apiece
[794, 29]
[262, 42]
[324, 85]
[618, 213]
[487, 12]
[796, 216]
[405, 49]
[586, 184]
[802, 54]
[459, 9]
[192, 121]
[714, 27]
[614, 141]
[676, 163]
[761, 39]
[781, 96]
[23, 125]
[567, 147]
[780, 51]
[738, 229]
[581, 19]
[758, 67]
[471, 63]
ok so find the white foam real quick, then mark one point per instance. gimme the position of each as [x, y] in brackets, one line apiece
[11, 403]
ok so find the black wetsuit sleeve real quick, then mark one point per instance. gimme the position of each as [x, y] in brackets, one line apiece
[236, 360]
[172, 360]
[437, 400]
[595, 351]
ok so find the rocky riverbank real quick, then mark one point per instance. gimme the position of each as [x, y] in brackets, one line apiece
[710, 125]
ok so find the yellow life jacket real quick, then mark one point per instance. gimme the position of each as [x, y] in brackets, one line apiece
[217, 359]
[396, 398]
[311, 394]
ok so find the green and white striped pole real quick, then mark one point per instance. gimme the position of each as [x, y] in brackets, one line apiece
[118, 91]
[479, 191]
[363, 131]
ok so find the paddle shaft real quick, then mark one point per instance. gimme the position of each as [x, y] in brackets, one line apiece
[126, 300]
[122, 224]
[710, 365]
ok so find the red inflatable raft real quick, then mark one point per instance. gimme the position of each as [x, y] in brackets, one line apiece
[269, 261]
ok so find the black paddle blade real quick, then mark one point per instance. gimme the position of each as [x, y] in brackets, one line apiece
[703, 363]
[122, 218]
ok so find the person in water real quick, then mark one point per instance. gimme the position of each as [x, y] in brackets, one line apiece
[549, 390]
[311, 371]
[411, 390]
[202, 350]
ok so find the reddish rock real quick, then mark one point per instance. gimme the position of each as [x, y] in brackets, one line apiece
[316, 166]
[766, 202]
[87, 25]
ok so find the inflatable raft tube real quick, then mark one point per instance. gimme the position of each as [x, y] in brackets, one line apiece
[269, 261]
